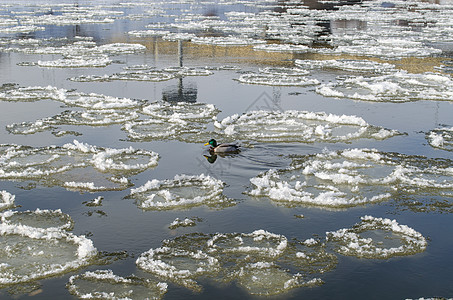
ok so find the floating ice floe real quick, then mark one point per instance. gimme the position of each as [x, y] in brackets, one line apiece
[354, 177]
[348, 65]
[377, 238]
[79, 54]
[21, 29]
[104, 284]
[227, 41]
[181, 111]
[263, 263]
[39, 218]
[184, 121]
[187, 222]
[6, 200]
[94, 202]
[178, 265]
[183, 191]
[81, 62]
[299, 126]
[146, 33]
[99, 117]
[277, 79]
[441, 138]
[69, 165]
[33, 253]
[145, 73]
[281, 48]
[92, 101]
[397, 87]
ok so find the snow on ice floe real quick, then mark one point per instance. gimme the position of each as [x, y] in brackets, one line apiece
[354, 177]
[299, 126]
[183, 191]
[281, 48]
[39, 218]
[279, 77]
[183, 120]
[263, 263]
[377, 238]
[441, 138]
[348, 65]
[21, 29]
[227, 41]
[145, 73]
[397, 87]
[76, 54]
[31, 253]
[100, 117]
[6, 200]
[71, 164]
[92, 101]
[187, 222]
[104, 284]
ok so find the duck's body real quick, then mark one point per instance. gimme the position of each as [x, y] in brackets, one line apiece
[222, 148]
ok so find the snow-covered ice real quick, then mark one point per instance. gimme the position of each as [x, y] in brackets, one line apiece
[353, 177]
[299, 126]
[104, 284]
[183, 191]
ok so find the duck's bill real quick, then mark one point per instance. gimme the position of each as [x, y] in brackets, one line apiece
[206, 144]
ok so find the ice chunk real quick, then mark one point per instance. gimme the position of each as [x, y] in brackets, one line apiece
[281, 48]
[397, 87]
[277, 80]
[187, 222]
[183, 121]
[49, 219]
[89, 101]
[182, 111]
[103, 284]
[262, 262]
[6, 200]
[178, 265]
[299, 126]
[227, 41]
[100, 117]
[70, 164]
[81, 62]
[35, 253]
[353, 177]
[348, 65]
[441, 138]
[181, 192]
[377, 238]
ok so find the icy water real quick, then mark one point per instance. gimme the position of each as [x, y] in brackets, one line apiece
[342, 188]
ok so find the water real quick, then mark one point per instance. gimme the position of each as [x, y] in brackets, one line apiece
[295, 84]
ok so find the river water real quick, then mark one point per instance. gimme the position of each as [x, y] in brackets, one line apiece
[342, 187]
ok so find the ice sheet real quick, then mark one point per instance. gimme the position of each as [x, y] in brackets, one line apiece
[263, 263]
[397, 87]
[183, 191]
[353, 177]
[62, 166]
[441, 138]
[377, 238]
[6, 200]
[299, 126]
[104, 284]
[31, 253]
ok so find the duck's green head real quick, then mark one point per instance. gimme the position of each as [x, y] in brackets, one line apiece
[211, 142]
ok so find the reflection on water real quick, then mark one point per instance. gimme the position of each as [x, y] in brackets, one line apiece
[343, 109]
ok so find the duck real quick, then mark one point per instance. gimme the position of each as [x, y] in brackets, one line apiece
[222, 148]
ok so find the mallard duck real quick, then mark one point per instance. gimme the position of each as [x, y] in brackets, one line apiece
[221, 148]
